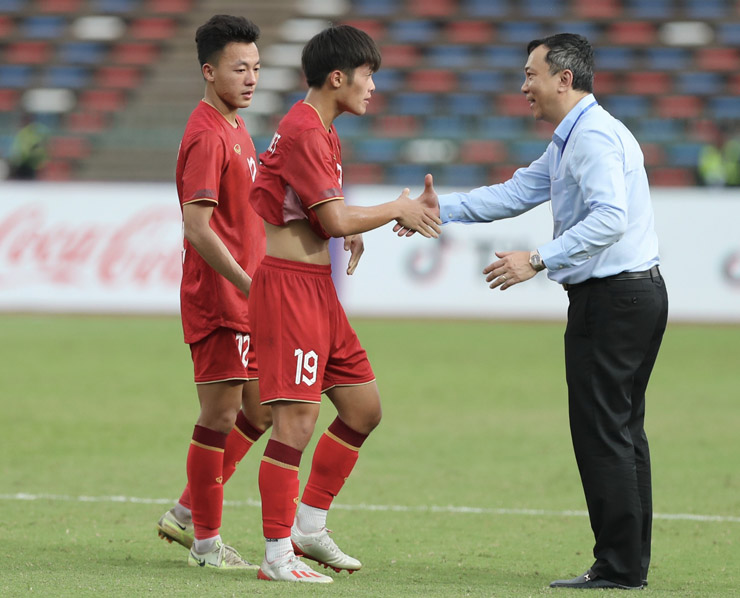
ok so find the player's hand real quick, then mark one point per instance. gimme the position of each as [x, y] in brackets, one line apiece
[429, 199]
[356, 246]
[511, 269]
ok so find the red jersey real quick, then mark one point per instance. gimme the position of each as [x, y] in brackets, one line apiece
[301, 169]
[217, 163]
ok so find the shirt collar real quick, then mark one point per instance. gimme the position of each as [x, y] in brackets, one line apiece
[567, 124]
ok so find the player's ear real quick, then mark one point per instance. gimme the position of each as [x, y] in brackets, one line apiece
[207, 71]
[335, 79]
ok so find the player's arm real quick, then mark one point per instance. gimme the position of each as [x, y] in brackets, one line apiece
[196, 219]
[340, 220]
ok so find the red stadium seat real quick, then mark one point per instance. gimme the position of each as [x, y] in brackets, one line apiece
[432, 8]
[705, 130]
[543, 130]
[397, 126]
[66, 148]
[648, 83]
[169, 6]
[679, 106]
[478, 151]
[28, 52]
[373, 27]
[672, 177]
[502, 173]
[376, 106]
[733, 84]
[8, 100]
[432, 80]
[55, 170]
[58, 6]
[513, 104]
[6, 26]
[605, 83]
[363, 173]
[153, 28]
[718, 59]
[632, 33]
[470, 32]
[653, 154]
[102, 100]
[602, 9]
[118, 77]
[141, 53]
[85, 122]
[400, 55]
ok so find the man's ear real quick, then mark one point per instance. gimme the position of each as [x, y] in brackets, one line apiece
[207, 71]
[566, 79]
[336, 78]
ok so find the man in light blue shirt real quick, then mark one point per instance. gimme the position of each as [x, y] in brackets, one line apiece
[604, 252]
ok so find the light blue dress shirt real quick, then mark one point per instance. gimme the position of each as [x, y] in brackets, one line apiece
[594, 175]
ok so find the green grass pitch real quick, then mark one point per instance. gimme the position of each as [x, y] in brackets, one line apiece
[468, 487]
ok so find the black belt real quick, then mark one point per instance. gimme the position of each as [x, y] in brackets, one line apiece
[654, 272]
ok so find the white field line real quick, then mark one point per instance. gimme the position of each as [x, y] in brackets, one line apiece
[20, 496]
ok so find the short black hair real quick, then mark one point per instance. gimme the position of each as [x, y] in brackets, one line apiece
[572, 52]
[220, 30]
[340, 47]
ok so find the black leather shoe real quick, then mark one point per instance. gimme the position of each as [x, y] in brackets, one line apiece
[590, 580]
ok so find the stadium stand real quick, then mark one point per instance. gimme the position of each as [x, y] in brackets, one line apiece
[122, 76]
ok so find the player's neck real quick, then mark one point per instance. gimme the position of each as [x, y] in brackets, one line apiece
[215, 102]
[324, 105]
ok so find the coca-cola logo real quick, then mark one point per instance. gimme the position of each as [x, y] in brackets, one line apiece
[38, 248]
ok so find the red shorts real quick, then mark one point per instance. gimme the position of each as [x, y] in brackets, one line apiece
[306, 345]
[224, 354]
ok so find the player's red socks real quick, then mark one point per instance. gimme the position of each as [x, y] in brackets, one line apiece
[238, 442]
[333, 460]
[205, 479]
[278, 481]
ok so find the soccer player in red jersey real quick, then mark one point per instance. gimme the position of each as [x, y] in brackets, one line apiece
[305, 344]
[224, 242]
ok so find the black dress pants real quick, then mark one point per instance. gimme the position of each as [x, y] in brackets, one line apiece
[612, 339]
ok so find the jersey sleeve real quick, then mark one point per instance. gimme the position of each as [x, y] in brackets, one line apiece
[312, 170]
[204, 163]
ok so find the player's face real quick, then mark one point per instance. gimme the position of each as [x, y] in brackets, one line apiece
[540, 86]
[356, 95]
[235, 76]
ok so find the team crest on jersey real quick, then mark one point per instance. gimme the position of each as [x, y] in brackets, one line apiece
[238, 149]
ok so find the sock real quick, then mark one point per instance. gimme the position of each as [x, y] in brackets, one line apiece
[203, 546]
[333, 460]
[278, 549]
[278, 481]
[238, 442]
[205, 478]
[183, 514]
[310, 519]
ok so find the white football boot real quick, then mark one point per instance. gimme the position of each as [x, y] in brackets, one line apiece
[321, 548]
[290, 568]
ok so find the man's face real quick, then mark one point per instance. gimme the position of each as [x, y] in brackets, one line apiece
[541, 87]
[234, 77]
[355, 96]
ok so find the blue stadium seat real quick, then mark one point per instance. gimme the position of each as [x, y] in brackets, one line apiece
[407, 174]
[486, 8]
[725, 107]
[585, 28]
[614, 58]
[520, 32]
[667, 59]
[7, 6]
[447, 126]
[388, 80]
[462, 176]
[707, 9]
[651, 9]
[505, 57]
[699, 83]
[414, 103]
[15, 76]
[115, 6]
[293, 97]
[526, 152]
[449, 56]
[44, 27]
[350, 126]
[376, 150]
[540, 9]
[377, 8]
[82, 52]
[683, 154]
[728, 34]
[413, 31]
[500, 127]
[659, 129]
[627, 106]
[471, 104]
[74, 77]
[482, 80]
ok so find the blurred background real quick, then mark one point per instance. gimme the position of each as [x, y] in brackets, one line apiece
[94, 96]
[99, 90]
